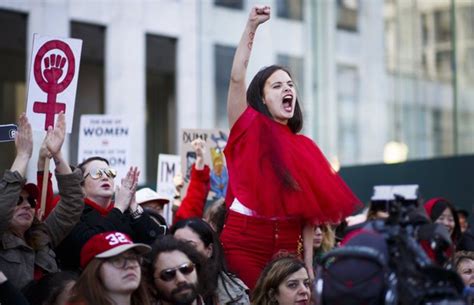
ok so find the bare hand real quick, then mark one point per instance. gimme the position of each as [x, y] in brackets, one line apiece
[259, 14]
[198, 146]
[39, 214]
[126, 191]
[24, 137]
[55, 137]
[44, 152]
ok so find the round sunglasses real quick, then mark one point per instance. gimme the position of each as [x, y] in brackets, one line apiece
[170, 273]
[31, 201]
[97, 173]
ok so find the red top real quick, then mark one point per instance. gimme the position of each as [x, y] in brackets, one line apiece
[193, 203]
[277, 173]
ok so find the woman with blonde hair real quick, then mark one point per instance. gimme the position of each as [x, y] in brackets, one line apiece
[284, 281]
[324, 240]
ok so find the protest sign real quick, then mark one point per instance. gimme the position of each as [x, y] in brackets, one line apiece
[54, 71]
[168, 167]
[215, 141]
[107, 136]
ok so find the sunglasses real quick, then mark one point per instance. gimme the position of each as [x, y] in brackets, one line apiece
[121, 261]
[31, 201]
[97, 173]
[169, 274]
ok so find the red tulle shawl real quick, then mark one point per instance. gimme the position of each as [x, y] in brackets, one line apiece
[277, 173]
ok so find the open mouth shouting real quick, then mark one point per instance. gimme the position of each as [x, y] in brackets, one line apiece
[288, 102]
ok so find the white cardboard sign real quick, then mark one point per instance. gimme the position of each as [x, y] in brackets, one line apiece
[54, 71]
[107, 136]
[168, 167]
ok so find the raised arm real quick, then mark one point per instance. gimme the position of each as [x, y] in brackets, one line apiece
[24, 146]
[67, 212]
[54, 141]
[236, 100]
[12, 181]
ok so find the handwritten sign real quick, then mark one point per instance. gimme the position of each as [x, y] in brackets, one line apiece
[215, 141]
[54, 71]
[168, 167]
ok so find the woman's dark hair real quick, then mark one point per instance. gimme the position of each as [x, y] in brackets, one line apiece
[255, 97]
[46, 290]
[438, 209]
[216, 263]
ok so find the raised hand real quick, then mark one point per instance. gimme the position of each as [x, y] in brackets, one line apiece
[126, 191]
[44, 152]
[198, 146]
[24, 138]
[23, 144]
[259, 14]
[55, 137]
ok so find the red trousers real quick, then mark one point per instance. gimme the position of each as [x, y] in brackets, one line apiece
[251, 242]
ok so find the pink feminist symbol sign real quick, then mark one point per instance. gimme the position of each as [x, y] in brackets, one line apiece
[48, 78]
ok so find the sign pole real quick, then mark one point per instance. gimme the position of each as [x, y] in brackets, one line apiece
[44, 189]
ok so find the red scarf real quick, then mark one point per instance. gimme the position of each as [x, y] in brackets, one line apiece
[98, 208]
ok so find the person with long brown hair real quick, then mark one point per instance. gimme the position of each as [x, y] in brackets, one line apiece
[280, 183]
[284, 281]
[112, 272]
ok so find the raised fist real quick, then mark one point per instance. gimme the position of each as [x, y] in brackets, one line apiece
[54, 65]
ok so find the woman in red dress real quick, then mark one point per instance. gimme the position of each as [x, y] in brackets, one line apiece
[280, 184]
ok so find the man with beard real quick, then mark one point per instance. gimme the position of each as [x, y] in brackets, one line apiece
[177, 276]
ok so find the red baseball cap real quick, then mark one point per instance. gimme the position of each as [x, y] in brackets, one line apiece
[32, 190]
[109, 244]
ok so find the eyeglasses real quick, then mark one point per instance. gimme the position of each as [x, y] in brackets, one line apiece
[31, 201]
[169, 274]
[121, 261]
[97, 173]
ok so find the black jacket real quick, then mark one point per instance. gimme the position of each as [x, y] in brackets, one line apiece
[141, 230]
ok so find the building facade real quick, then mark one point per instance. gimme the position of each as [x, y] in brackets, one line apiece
[368, 71]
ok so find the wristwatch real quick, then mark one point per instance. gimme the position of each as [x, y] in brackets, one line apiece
[137, 213]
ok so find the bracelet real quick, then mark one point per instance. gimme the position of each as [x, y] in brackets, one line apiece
[137, 213]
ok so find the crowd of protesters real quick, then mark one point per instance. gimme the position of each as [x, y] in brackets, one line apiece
[100, 241]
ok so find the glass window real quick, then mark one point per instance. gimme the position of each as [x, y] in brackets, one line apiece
[443, 64]
[290, 9]
[90, 85]
[296, 68]
[234, 4]
[347, 105]
[161, 133]
[223, 57]
[347, 15]
[442, 26]
[12, 75]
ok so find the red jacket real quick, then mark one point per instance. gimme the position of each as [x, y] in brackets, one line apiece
[196, 195]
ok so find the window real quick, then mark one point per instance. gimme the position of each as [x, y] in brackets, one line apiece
[347, 15]
[223, 57]
[442, 26]
[233, 4]
[12, 75]
[348, 103]
[161, 133]
[296, 68]
[290, 9]
[90, 85]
